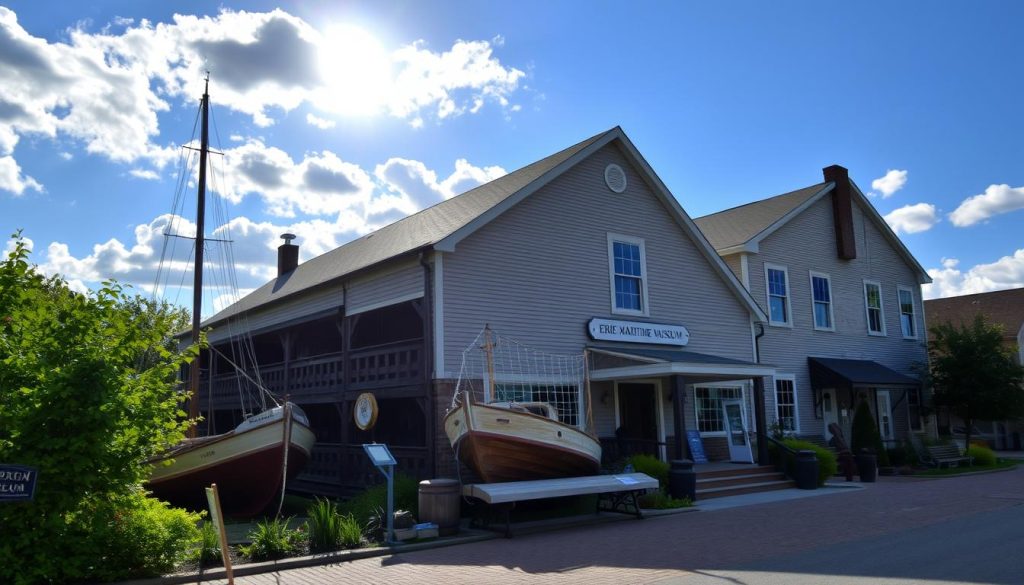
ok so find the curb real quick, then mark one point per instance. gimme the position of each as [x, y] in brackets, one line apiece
[965, 474]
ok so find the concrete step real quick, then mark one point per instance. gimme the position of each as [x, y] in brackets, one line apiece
[713, 482]
[749, 488]
[740, 469]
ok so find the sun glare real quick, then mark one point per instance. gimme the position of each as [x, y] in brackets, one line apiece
[356, 71]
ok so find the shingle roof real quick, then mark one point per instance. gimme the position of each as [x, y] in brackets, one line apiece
[737, 226]
[406, 235]
[1005, 307]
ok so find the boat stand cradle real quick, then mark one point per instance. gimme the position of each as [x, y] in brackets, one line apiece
[616, 493]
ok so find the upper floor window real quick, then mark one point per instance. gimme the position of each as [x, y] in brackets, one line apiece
[873, 306]
[821, 299]
[907, 323]
[627, 264]
[777, 285]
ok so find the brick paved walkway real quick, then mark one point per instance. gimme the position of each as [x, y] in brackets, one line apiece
[669, 547]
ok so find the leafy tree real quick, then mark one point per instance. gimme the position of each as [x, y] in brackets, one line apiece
[87, 393]
[973, 374]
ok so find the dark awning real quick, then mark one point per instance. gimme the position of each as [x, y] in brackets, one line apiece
[831, 372]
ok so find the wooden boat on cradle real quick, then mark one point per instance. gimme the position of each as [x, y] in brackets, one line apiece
[252, 463]
[249, 464]
[511, 441]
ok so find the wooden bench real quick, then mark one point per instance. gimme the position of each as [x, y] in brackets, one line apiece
[946, 455]
[617, 493]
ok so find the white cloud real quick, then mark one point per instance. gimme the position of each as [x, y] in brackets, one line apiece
[892, 182]
[104, 90]
[11, 178]
[148, 174]
[996, 199]
[319, 122]
[948, 281]
[911, 219]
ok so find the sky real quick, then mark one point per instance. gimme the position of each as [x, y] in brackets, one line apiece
[332, 119]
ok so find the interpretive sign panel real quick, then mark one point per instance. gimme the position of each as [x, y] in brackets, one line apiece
[638, 332]
[217, 517]
[696, 447]
[17, 483]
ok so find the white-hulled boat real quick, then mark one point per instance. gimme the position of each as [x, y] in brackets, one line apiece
[251, 463]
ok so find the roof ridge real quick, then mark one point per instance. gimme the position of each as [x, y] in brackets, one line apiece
[763, 200]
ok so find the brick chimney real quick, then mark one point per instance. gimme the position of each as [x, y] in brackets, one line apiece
[287, 255]
[842, 211]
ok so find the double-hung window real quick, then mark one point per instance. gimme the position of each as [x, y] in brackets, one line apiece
[821, 300]
[873, 306]
[627, 264]
[777, 286]
[785, 404]
[907, 323]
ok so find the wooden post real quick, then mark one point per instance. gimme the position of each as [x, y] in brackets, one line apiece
[586, 392]
[489, 353]
[213, 498]
[759, 420]
[678, 416]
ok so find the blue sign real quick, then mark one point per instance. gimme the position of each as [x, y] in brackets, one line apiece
[17, 483]
[696, 447]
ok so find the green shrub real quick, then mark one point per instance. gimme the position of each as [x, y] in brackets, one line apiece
[135, 536]
[208, 550]
[865, 434]
[982, 456]
[652, 466]
[329, 529]
[827, 465]
[365, 505]
[659, 500]
[272, 539]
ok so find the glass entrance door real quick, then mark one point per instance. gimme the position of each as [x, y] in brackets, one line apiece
[736, 432]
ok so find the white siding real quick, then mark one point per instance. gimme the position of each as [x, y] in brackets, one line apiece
[539, 272]
[807, 243]
[390, 286]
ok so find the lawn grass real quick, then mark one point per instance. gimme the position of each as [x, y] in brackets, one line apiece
[1001, 464]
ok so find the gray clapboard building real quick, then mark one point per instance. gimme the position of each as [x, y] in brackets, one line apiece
[843, 298]
[584, 249]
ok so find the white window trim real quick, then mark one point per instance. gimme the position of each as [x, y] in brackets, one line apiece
[831, 301]
[644, 305]
[881, 309]
[768, 296]
[913, 306]
[718, 386]
[796, 400]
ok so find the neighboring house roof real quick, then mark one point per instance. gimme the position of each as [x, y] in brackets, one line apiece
[443, 225]
[741, 229]
[1003, 307]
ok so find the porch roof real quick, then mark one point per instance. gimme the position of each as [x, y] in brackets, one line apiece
[647, 363]
[826, 372]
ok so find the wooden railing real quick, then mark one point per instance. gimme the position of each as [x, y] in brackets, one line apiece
[393, 364]
[343, 469]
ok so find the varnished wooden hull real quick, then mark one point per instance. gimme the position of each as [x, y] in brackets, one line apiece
[503, 445]
[246, 466]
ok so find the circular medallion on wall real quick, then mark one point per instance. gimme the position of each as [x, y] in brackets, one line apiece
[364, 411]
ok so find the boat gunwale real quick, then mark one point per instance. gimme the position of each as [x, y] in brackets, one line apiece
[214, 439]
[522, 413]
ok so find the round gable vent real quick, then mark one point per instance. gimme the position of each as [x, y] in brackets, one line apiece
[615, 177]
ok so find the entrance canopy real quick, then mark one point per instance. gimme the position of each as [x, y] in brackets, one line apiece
[832, 372]
[619, 364]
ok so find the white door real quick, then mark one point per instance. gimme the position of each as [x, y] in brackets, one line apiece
[736, 431]
[829, 411]
[885, 425]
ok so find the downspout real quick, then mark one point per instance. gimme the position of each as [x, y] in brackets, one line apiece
[759, 415]
[428, 361]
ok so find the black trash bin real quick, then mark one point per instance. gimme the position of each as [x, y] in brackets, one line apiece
[867, 466]
[682, 480]
[806, 470]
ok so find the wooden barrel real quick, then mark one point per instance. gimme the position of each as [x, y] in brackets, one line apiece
[439, 503]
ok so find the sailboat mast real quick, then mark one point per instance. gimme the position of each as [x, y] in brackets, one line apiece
[197, 283]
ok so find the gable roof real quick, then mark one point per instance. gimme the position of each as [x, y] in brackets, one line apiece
[1004, 307]
[445, 224]
[742, 228]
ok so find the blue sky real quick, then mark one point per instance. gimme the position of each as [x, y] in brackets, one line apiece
[338, 117]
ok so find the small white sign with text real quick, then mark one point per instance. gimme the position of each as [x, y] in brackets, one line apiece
[638, 332]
